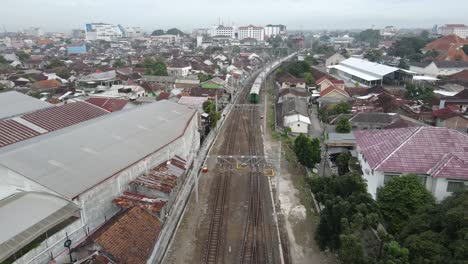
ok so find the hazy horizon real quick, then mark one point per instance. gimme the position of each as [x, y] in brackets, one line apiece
[62, 16]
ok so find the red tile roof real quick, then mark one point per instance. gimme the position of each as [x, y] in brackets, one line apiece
[463, 75]
[109, 104]
[453, 54]
[163, 96]
[46, 84]
[422, 150]
[445, 43]
[66, 115]
[12, 132]
[444, 113]
[331, 89]
[130, 237]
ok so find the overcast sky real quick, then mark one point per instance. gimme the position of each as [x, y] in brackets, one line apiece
[63, 15]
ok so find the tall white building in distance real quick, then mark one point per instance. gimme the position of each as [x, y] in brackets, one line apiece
[224, 31]
[274, 30]
[254, 32]
[458, 29]
[103, 31]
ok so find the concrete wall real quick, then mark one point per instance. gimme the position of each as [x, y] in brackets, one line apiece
[11, 178]
[298, 127]
[54, 245]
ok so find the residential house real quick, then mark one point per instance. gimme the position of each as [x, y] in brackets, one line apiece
[293, 93]
[439, 68]
[376, 120]
[295, 115]
[334, 59]
[46, 86]
[439, 156]
[445, 43]
[449, 118]
[325, 82]
[289, 81]
[178, 68]
[333, 95]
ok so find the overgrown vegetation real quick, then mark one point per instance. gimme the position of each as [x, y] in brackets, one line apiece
[371, 36]
[153, 67]
[307, 150]
[343, 125]
[204, 77]
[414, 92]
[209, 107]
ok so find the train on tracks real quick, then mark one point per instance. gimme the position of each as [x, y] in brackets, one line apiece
[254, 95]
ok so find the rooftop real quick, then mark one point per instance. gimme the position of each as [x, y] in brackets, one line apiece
[422, 150]
[106, 145]
[14, 104]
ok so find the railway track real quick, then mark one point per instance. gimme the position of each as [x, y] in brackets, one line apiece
[254, 248]
[217, 227]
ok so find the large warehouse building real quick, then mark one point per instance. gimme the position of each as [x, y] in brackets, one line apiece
[368, 73]
[60, 185]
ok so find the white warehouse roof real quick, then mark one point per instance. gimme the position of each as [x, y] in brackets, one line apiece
[72, 160]
[296, 118]
[14, 104]
[370, 71]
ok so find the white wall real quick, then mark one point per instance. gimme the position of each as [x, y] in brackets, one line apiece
[298, 127]
[375, 179]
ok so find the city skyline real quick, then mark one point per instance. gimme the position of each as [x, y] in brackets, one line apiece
[301, 15]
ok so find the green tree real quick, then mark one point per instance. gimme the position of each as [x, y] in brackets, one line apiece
[408, 47]
[23, 56]
[208, 106]
[2, 60]
[309, 79]
[374, 55]
[298, 68]
[214, 118]
[341, 108]
[175, 31]
[118, 63]
[465, 49]
[55, 63]
[343, 162]
[419, 92]
[154, 67]
[158, 32]
[403, 64]
[204, 77]
[351, 250]
[394, 253]
[371, 36]
[401, 198]
[348, 206]
[426, 248]
[307, 150]
[343, 125]
[64, 73]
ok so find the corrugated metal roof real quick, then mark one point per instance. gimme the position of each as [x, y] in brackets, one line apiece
[27, 215]
[12, 132]
[372, 69]
[14, 103]
[63, 116]
[74, 159]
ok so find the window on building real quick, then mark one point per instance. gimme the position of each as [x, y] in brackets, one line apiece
[388, 177]
[454, 186]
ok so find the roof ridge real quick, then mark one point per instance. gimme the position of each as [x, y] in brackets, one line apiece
[398, 147]
[100, 108]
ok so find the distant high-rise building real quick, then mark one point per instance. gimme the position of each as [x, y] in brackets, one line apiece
[435, 30]
[388, 31]
[133, 32]
[200, 32]
[224, 31]
[274, 30]
[253, 32]
[103, 31]
[78, 34]
[34, 32]
[458, 29]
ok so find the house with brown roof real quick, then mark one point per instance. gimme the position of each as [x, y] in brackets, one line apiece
[439, 156]
[447, 117]
[325, 82]
[445, 43]
[46, 86]
[332, 95]
[287, 80]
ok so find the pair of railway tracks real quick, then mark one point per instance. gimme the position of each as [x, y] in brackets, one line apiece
[253, 248]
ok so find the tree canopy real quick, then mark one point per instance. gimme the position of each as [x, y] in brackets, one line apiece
[158, 32]
[309, 79]
[401, 198]
[307, 150]
[465, 49]
[153, 67]
[22, 56]
[409, 47]
[371, 36]
[175, 31]
[419, 92]
[298, 68]
[118, 63]
[374, 55]
[55, 63]
[343, 125]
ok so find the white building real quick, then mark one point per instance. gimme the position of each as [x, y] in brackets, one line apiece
[388, 31]
[274, 30]
[439, 156]
[133, 32]
[224, 31]
[458, 29]
[102, 31]
[439, 68]
[66, 180]
[166, 39]
[253, 32]
[34, 32]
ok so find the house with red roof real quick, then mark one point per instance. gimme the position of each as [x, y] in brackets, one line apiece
[445, 43]
[439, 156]
[450, 118]
[332, 95]
[325, 82]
